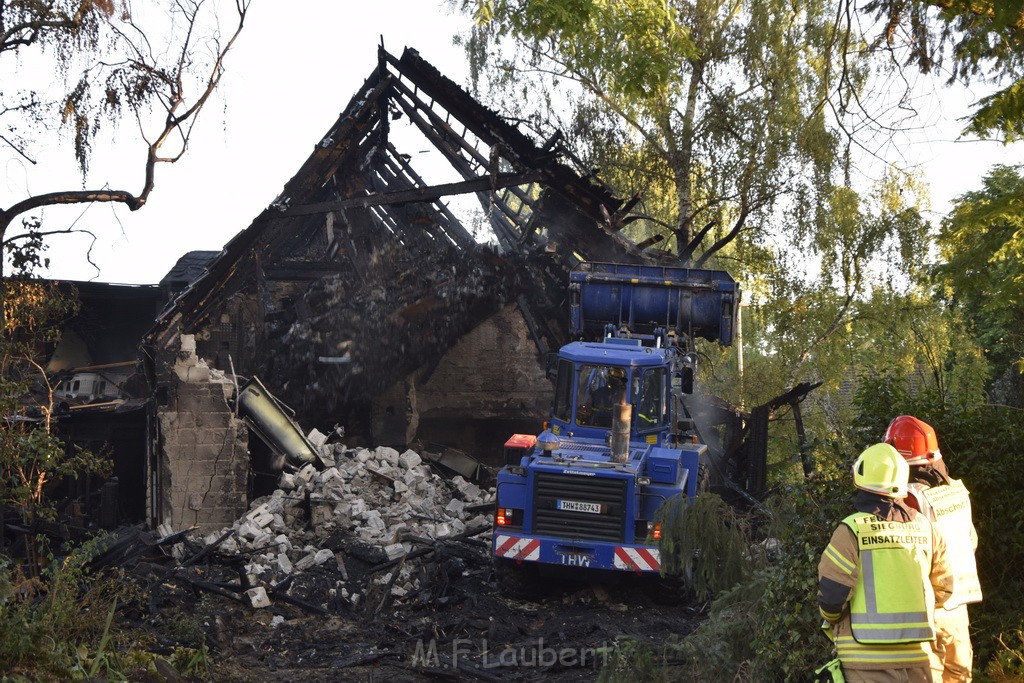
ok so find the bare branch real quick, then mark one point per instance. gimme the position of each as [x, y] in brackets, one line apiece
[171, 96]
[18, 149]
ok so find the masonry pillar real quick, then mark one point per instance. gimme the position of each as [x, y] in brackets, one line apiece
[203, 458]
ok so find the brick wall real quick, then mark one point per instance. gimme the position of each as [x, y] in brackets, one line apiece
[203, 458]
[493, 372]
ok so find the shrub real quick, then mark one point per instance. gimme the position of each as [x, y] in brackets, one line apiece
[704, 542]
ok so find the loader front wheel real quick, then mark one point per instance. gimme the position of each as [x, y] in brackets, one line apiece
[516, 580]
[671, 590]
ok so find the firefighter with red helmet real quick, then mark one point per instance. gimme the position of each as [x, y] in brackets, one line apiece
[947, 504]
[881, 577]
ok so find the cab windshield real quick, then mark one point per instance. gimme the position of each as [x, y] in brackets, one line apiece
[592, 390]
[598, 389]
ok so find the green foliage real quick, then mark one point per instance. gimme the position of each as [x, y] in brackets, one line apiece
[62, 29]
[59, 624]
[1000, 113]
[982, 245]
[704, 542]
[630, 660]
[1007, 666]
[710, 110]
[635, 44]
[193, 663]
[62, 625]
[723, 648]
[789, 642]
[31, 455]
[25, 252]
[984, 41]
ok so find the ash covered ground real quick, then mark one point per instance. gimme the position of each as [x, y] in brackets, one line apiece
[377, 568]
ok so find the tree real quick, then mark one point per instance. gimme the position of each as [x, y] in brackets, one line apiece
[733, 121]
[113, 68]
[984, 40]
[711, 110]
[982, 246]
[31, 454]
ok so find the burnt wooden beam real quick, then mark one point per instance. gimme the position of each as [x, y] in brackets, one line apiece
[408, 100]
[339, 144]
[448, 222]
[442, 134]
[308, 270]
[422, 194]
[409, 221]
[491, 129]
[422, 218]
[455, 149]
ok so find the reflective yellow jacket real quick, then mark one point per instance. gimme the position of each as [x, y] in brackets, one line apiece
[925, 570]
[949, 509]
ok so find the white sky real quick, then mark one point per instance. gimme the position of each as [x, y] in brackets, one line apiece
[296, 65]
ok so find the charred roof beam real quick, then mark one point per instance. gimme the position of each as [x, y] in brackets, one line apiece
[422, 217]
[330, 154]
[419, 194]
[441, 133]
[492, 129]
[397, 216]
[446, 219]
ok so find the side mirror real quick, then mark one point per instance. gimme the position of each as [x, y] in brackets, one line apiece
[686, 380]
[551, 365]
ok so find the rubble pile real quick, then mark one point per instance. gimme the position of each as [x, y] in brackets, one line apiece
[374, 508]
[373, 567]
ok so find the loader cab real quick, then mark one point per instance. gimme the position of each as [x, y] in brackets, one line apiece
[591, 378]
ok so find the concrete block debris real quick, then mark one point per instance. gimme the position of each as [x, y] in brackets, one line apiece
[376, 507]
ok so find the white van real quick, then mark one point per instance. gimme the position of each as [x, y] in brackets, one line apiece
[88, 386]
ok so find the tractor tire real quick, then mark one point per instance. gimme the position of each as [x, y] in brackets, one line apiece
[671, 590]
[703, 478]
[516, 580]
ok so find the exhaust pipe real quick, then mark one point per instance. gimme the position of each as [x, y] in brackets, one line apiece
[621, 417]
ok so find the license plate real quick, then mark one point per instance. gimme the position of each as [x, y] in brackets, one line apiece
[579, 506]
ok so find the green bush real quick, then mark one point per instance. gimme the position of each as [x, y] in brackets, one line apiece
[789, 643]
[61, 624]
[704, 542]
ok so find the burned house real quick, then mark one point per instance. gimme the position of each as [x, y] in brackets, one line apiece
[364, 302]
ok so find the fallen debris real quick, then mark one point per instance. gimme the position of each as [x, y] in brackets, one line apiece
[342, 569]
[375, 504]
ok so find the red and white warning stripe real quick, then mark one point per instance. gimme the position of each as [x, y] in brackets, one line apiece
[637, 559]
[517, 548]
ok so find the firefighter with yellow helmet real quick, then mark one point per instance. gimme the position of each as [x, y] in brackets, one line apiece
[947, 504]
[881, 577]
